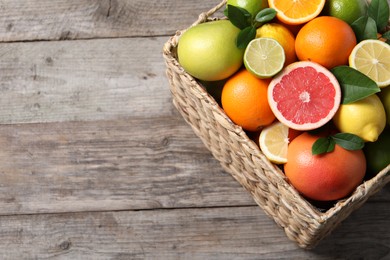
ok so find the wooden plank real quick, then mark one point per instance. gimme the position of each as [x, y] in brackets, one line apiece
[83, 80]
[215, 233]
[110, 165]
[31, 20]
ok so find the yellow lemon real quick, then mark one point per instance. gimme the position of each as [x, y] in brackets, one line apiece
[365, 118]
[283, 36]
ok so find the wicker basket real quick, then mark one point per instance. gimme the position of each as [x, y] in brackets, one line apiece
[241, 157]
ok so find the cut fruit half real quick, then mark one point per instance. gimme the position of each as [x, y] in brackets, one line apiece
[297, 11]
[264, 57]
[304, 96]
[372, 58]
[273, 142]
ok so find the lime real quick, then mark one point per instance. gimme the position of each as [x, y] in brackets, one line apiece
[365, 118]
[252, 6]
[378, 153]
[264, 57]
[384, 95]
[371, 57]
[282, 35]
[346, 10]
[208, 51]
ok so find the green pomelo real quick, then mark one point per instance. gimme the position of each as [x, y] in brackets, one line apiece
[346, 10]
[252, 6]
[208, 51]
[378, 153]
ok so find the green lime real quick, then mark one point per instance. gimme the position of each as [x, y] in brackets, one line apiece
[264, 57]
[346, 10]
[378, 153]
[252, 6]
[384, 95]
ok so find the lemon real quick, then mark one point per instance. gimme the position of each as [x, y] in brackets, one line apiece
[273, 142]
[378, 153]
[365, 118]
[252, 6]
[283, 36]
[208, 51]
[264, 57]
[384, 95]
[371, 57]
[346, 10]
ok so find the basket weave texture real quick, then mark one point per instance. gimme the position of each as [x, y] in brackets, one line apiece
[242, 158]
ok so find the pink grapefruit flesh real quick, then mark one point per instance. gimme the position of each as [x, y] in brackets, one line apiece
[304, 96]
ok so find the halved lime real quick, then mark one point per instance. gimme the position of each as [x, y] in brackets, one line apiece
[264, 57]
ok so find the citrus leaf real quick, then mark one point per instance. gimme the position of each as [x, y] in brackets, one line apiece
[386, 36]
[364, 28]
[245, 36]
[265, 15]
[354, 84]
[348, 141]
[379, 11]
[238, 16]
[323, 145]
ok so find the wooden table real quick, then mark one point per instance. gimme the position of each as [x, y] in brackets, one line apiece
[96, 163]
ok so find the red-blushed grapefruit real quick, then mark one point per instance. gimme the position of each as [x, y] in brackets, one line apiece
[324, 177]
[304, 95]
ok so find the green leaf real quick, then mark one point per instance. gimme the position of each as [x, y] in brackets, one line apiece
[386, 36]
[364, 28]
[379, 11]
[348, 141]
[239, 17]
[323, 145]
[265, 15]
[354, 84]
[245, 36]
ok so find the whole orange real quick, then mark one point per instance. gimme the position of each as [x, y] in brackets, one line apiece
[326, 40]
[324, 177]
[244, 100]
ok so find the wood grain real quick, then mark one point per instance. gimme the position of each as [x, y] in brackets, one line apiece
[212, 233]
[32, 20]
[83, 80]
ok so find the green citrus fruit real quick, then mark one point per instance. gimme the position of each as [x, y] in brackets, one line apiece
[252, 6]
[378, 153]
[346, 10]
[384, 95]
[208, 51]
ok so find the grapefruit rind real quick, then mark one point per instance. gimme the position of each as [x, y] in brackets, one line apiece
[296, 108]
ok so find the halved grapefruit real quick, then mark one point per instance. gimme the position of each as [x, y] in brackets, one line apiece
[304, 95]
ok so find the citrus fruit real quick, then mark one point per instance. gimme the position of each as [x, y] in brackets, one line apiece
[297, 11]
[252, 6]
[326, 40]
[208, 51]
[324, 177]
[283, 36]
[372, 58]
[264, 57]
[346, 10]
[378, 153]
[384, 96]
[273, 141]
[304, 95]
[365, 118]
[244, 100]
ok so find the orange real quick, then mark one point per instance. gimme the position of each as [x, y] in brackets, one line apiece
[326, 40]
[297, 11]
[244, 100]
[325, 177]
